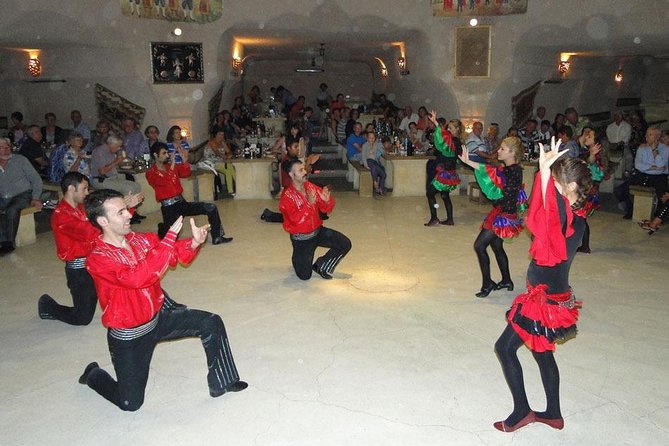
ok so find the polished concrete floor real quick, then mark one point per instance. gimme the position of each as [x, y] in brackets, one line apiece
[396, 350]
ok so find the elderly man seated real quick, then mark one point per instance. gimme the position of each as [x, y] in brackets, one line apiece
[104, 174]
[476, 147]
[32, 149]
[20, 187]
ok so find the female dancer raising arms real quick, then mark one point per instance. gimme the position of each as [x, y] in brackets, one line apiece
[504, 187]
[548, 311]
[441, 175]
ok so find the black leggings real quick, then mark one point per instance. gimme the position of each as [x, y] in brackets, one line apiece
[488, 238]
[506, 348]
[432, 201]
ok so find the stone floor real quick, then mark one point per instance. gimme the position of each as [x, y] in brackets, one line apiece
[396, 350]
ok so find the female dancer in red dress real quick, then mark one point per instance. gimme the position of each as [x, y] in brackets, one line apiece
[547, 312]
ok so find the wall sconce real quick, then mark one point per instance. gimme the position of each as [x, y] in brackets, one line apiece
[401, 63]
[384, 72]
[618, 76]
[236, 63]
[184, 133]
[563, 66]
[34, 67]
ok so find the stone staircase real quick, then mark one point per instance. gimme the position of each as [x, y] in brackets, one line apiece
[329, 170]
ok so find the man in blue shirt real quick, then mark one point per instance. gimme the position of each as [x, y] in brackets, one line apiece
[651, 168]
[354, 143]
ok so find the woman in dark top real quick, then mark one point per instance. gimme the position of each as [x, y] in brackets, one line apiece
[441, 175]
[503, 185]
[547, 312]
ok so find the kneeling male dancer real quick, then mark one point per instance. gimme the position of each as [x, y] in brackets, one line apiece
[126, 267]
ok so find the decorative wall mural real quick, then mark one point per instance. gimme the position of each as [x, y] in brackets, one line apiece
[478, 7]
[176, 63]
[200, 11]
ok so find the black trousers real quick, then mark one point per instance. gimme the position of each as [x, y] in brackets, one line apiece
[10, 214]
[658, 182]
[84, 299]
[185, 208]
[131, 356]
[303, 252]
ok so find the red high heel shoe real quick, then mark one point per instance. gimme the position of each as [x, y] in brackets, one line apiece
[555, 423]
[501, 425]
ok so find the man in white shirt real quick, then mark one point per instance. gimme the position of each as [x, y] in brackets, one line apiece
[409, 117]
[619, 131]
[476, 146]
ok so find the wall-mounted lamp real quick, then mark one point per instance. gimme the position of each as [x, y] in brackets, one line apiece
[401, 63]
[618, 76]
[184, 133]
[384, 72]
[236, 66]
[563, 66]
[34, 67]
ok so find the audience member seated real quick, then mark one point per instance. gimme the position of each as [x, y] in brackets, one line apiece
[545, 131]
[352, 120]
[530, 137]
[619, 134]
[20, 187]
[335, 117]
[217, 154]
[423, 119]
[492, 139]
[239, 122]
[295, 134]
[285, 97]
[106, 158]
[224, 122]
[416, 136]
[651, 169]
[540, 114]
[477, 148]
[17, 132]
[341, 125]
[79, 126]
[574, 121]
[354, 144]
[512, 132]
[323, 98]
[296, 109]
[558, 122]
[174, 142]
[566, 136]
[152, 134]
[75, 158]
[132, 139]
[52, 135]
[100, 135]
[639, 128]
[32, 149]
[372, 152]
[409, 116]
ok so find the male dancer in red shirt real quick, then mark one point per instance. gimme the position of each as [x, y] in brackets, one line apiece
[74, 236]
[126, 267]
[299, 204]
[164, 176]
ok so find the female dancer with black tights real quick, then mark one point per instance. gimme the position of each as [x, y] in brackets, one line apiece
[547, 313]
[441, 175]
[504, 187]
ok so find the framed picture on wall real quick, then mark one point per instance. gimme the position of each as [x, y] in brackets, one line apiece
[176, 63]
[472, 52]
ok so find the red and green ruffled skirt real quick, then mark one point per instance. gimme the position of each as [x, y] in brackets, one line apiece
[502, 224]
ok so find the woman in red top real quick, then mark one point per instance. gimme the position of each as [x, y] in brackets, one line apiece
[547, 312]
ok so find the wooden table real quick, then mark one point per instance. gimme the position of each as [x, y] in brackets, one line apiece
[408, 175]
[253, 178]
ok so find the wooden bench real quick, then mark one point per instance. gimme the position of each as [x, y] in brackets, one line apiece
[644, 202]
[53, 187]
[474, 193]
[26, 234]
[361, 178]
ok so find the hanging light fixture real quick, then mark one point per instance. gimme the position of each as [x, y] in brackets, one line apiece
[618, 76]
[34, 66]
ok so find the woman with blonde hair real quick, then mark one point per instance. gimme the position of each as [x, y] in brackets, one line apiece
[503, 185]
